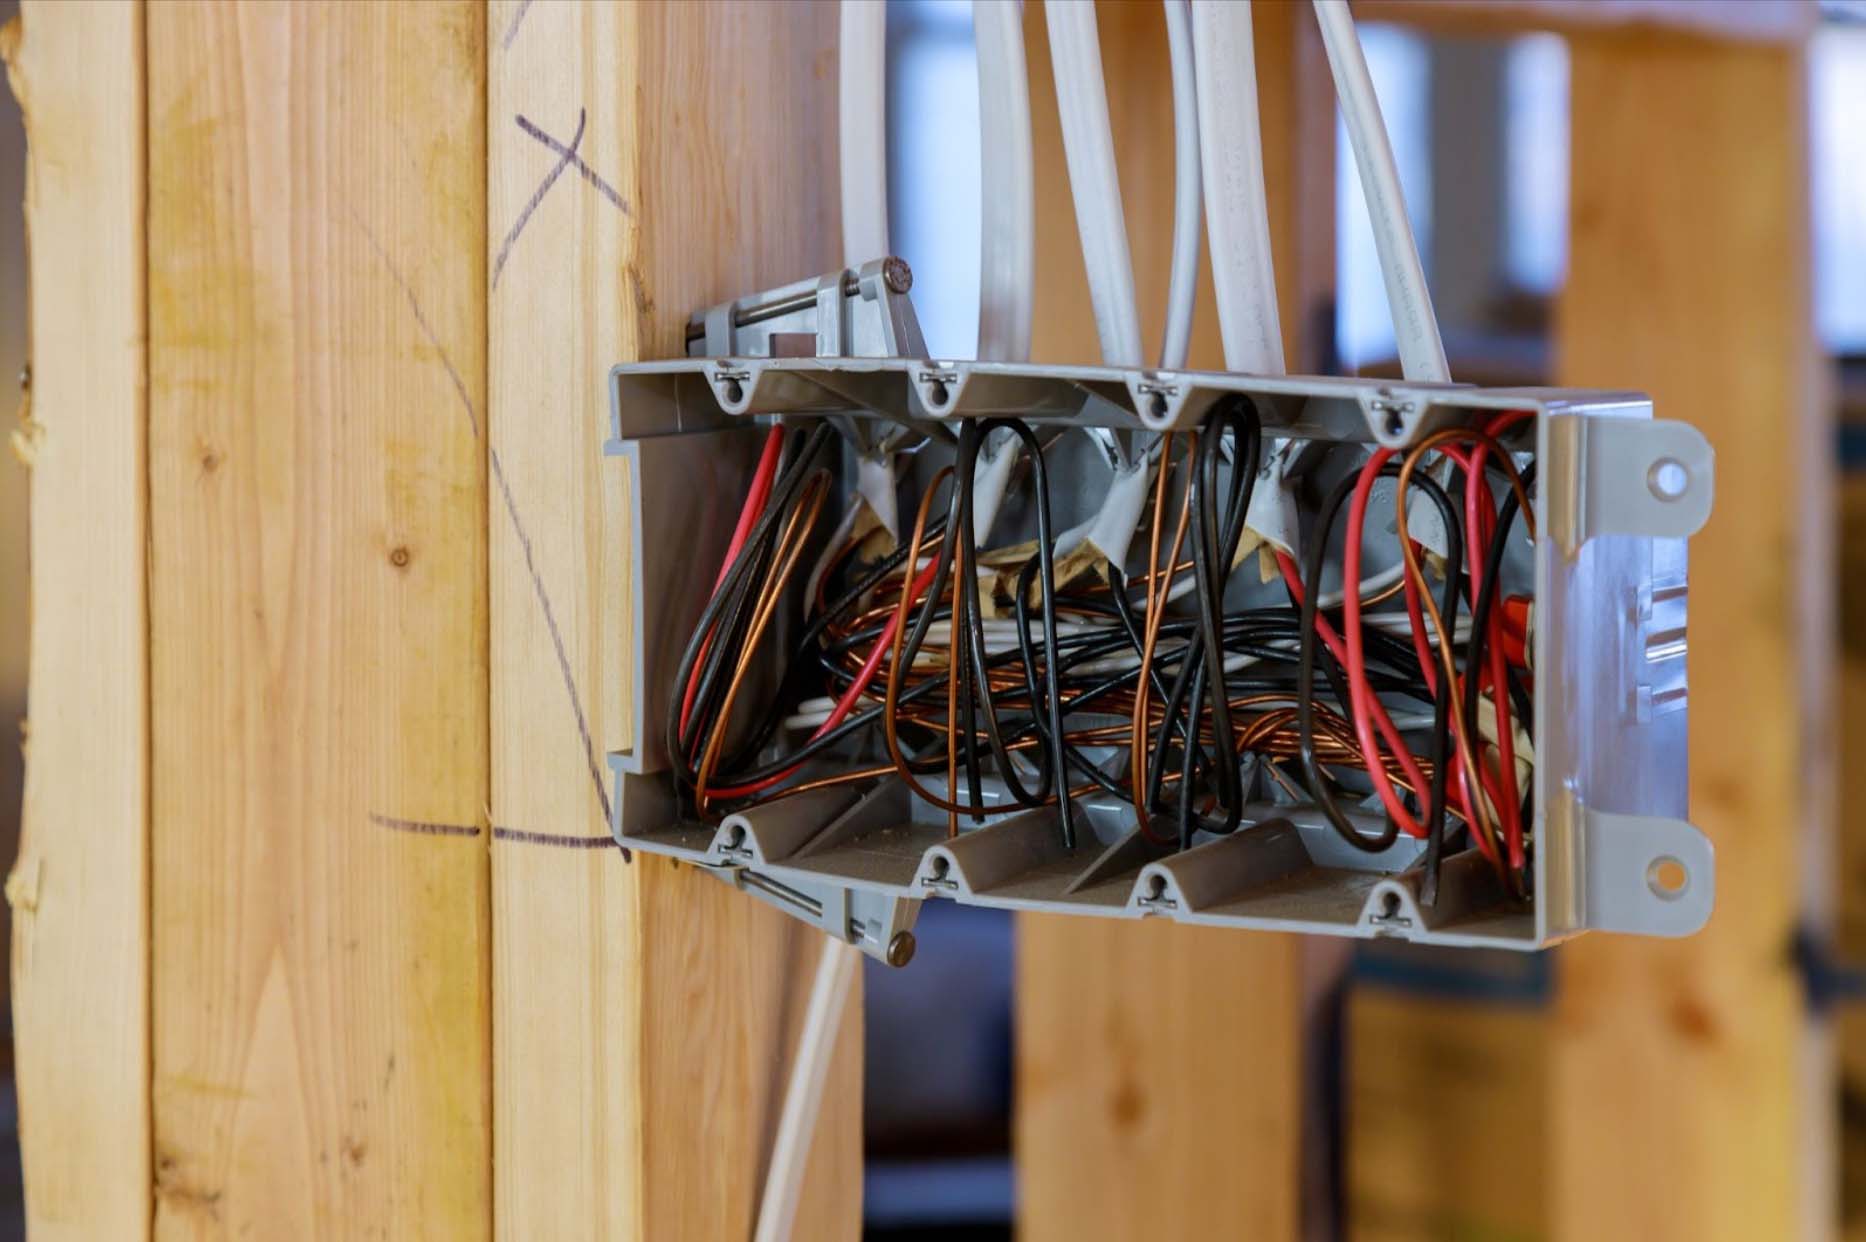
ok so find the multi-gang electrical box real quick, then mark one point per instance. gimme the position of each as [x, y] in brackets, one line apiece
[1532, 739]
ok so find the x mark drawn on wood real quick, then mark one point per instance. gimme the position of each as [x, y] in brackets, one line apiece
[567, 157]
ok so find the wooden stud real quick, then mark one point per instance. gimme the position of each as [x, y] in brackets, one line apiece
[1778, 21]
[1446, 1099]
[1850, 920]
[1688, 1097]
[317, 620]
[646, 160]
[79, 890]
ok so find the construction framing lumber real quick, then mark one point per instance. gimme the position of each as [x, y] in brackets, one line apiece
[1691, 1093]
[317, 620]
[80, 887]
[646, 159]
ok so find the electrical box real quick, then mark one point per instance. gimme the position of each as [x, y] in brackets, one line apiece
[1600, 594]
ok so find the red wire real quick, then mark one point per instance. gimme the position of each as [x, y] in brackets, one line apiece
[748, 515]
[1480, 518]
[1461, 796]
[1363, 699]
[1382, 721]
[846, 703]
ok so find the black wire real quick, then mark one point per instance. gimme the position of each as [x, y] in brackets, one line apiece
[802, 660]
[1441, 705]
[1214, 547]
[1305, 675]
[1045, 559]
[732, 596]
[969, 638]
[1481, 610]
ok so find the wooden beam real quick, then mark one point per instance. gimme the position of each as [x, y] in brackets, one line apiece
[79, 890]
[1850, 917]
[644, 1015]
[1131, 1119]
[1765, 21]
[318, 620]
[1688, 1100]
[1436, 1086]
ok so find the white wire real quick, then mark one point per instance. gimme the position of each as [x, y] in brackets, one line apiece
[862, 113]
[1183, 286]
[1088, 145]
[1007, 251]
[1237, 209]
[803, 1098]
[1415, 327]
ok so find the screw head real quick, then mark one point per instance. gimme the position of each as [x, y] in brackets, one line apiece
[899, 277]
[901, 949]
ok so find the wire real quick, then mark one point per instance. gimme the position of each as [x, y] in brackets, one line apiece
[1088, 147]
[1415, 326]
[754, 504]
[803, 1097]
[1007, 255]
[1236, 208]
[1182, 287]
[1306, 707]
[796, 533]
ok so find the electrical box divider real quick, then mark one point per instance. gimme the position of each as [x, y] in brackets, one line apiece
[1618, 494]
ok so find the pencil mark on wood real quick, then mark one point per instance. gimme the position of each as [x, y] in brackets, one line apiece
[553, 839]
[550, 623]
[576, 161]
[427, 329]
[511, 27]
[564, 156]
[511, 509]
[422, 827]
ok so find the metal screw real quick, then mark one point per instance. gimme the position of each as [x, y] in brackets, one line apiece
[901, 949]
[899, 277]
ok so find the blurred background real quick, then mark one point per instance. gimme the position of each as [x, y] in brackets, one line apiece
[1480, 127]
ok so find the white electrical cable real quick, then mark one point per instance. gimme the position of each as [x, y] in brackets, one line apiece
[803, 1098]
[1007, 179]
[862, 114]
[1182, 288]
[1238, 214]
[1415, 327]
[1237, 209]
[1088, 146]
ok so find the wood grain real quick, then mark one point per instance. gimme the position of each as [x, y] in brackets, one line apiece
[1687, 1099]
[644, 1015]
[1132, 1119]
[1439, 1090]
[1777, 21]
[318, 620]
[79, 889]
[1850, 914]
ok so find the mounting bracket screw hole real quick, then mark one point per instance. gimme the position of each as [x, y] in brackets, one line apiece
[1389, 904]
[1157, 405]
[735, 392]
[1667, 878]
[1396, 425]
[938, 394]
[1156, 887]
[1667, 479]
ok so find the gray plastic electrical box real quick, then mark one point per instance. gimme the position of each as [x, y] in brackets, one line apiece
[1619, 492]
